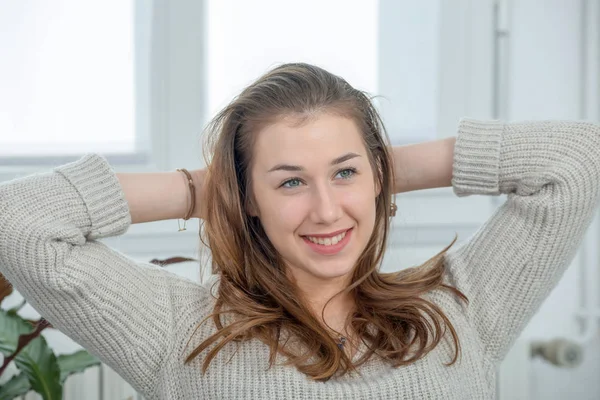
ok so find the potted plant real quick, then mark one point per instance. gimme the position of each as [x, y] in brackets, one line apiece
[40, 369]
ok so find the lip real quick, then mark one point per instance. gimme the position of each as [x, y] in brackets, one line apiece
[329, 235]
[332, 249]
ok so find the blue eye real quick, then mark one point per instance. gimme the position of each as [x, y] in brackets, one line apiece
[351, 172]
[291, 180]
[346, 173]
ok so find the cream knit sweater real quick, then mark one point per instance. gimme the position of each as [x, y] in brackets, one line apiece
[137, 317]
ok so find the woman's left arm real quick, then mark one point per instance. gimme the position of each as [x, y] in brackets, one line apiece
[550, 172]
[424, 165]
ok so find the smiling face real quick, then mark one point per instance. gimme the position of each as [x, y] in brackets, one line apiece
[314, 180]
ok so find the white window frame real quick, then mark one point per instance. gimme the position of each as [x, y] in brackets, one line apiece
[176, 97]
[173, 76]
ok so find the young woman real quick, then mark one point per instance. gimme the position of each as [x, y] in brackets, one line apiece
[296, 204]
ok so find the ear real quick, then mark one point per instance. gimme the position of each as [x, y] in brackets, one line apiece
[252, 209]
[376, 180]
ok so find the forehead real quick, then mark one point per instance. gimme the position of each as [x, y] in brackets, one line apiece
[319, 140]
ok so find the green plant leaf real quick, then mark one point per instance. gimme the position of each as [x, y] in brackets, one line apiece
[39, 364]
[11, 327]
[36, 360]
[75, 363]
[17, 386]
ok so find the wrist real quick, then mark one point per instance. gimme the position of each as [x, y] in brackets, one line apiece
[424, 165]
[199, 177]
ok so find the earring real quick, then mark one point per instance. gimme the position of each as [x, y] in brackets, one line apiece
[393, 210]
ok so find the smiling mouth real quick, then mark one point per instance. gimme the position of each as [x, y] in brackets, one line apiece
[328, 240]
[329, 246]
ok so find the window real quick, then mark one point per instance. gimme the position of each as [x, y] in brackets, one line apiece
[386, 47]
[409, 65]
[72, 86]
[246, 38]
[73, 77]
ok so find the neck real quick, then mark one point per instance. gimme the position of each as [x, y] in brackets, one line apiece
[337, 309]
[317, 294]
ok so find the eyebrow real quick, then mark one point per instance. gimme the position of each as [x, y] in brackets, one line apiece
[287, 167]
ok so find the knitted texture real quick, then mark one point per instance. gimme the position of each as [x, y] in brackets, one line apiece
[137, 317]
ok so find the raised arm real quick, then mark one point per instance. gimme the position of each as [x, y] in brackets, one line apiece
[550, 172]
[122, 311]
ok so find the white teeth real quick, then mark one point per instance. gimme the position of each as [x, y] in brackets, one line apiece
[327, 241]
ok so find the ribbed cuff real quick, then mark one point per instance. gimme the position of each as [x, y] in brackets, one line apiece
[476, 165]
[98, 186]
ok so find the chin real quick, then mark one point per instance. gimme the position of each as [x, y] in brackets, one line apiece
[332, 273]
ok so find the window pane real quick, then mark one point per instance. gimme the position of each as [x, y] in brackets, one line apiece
[386, 47]
[409, 68]
[67, 77]
[246, 38]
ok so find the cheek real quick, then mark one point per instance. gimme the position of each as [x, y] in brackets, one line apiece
[281, 214]
[359, 201]
[361, 207]
[288, 214]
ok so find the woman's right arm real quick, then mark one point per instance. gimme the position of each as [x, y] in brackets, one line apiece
[123, 311]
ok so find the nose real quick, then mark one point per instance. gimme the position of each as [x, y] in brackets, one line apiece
[326, 208]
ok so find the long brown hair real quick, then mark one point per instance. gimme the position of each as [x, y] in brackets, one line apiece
[390, 316]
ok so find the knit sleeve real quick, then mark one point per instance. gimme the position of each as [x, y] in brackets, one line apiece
[120, 310]
[550, 172]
